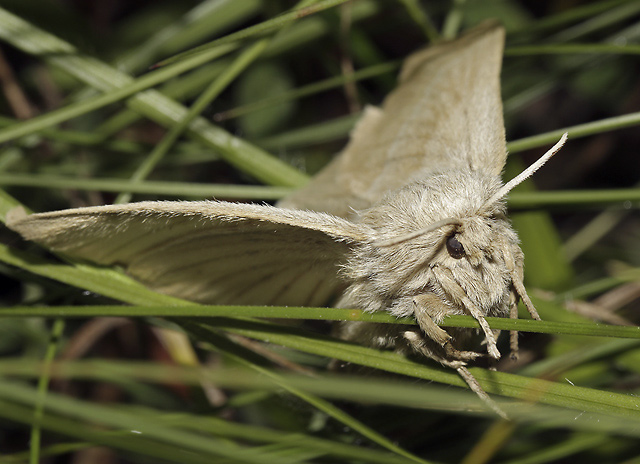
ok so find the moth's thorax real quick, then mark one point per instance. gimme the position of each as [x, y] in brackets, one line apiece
[444, 194]
[387, 278]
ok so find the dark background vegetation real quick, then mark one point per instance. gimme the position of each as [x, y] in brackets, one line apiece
[580, 255]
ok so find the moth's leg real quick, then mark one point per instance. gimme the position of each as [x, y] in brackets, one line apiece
[513, 334]
[492, 361]
[517, 282]
[477, 389]
[457, 292]
[421, 305]
[417, 342]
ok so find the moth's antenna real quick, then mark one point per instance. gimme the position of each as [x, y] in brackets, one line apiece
[417, 233]
[506, 188]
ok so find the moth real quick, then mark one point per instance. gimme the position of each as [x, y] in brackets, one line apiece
[409, 219]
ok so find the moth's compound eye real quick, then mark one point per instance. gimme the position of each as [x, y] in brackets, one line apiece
[454, 247]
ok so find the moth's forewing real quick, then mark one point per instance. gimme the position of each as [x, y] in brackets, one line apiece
[445, 113]
[209, 252]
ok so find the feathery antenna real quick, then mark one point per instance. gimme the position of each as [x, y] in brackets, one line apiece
[506, 188]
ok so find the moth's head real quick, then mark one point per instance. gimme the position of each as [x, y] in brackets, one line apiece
[449, 235]
[445, 220]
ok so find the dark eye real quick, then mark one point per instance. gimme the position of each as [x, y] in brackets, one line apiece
[454, 247]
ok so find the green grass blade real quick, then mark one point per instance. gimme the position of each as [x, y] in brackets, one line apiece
[122, 86]
[151, 103]
[160, 188]
[103, 281]
[152, 425]
[625, 198]
[550, 393]
[187, 309]
[258, 30]
[247, 57]
[567, 49]
[121, 440]
[338, 414]
[204, 20]
[580, 130]
[395, 392]
[43, 385]
[310, 89]
[111, 417]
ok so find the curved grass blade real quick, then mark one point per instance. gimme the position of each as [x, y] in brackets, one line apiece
[189, 310]
[258, 30]
[154, 105]
[162, 188]
[222, 344]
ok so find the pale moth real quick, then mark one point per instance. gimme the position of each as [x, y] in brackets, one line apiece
[408, 219]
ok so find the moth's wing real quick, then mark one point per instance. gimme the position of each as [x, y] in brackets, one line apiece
[208, 252]
[446, 113]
